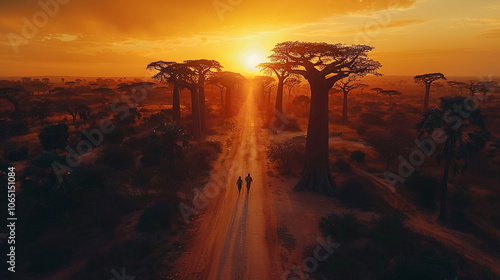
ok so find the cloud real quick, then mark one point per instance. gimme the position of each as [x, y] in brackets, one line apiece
[491, 34]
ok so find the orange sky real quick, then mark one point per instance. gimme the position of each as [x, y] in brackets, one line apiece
[119, 38]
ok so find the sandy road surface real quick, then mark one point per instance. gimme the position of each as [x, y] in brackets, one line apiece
[237, 237]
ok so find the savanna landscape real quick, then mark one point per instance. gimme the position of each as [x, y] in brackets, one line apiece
[368, 131]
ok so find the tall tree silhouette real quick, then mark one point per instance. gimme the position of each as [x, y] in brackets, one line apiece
[322, 65]
[290, 83]
[390, 93]
[202, 68]
[426, 80]
[485, 87]
[171, 73]
[263, 82]
[459, 85]
[346, 86]
[466, 134]
[278, 68]
[229, 80]
[14, 95]
[214, 80]
[473, 87]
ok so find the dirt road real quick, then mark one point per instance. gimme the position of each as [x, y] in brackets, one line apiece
[237, 237]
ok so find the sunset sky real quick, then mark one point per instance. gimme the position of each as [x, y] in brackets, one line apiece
[119, 38]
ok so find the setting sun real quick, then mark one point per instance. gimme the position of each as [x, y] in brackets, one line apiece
[251, 59]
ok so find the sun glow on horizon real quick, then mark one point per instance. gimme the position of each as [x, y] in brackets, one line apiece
[251, 59]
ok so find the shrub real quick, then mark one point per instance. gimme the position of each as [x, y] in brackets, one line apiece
[156, 217]
[424, 188]
[354, 194]
[88, 178]
[423, 265]
[54, 137]
[301, 100]
[289, 156]
[10, 129]
[345, 228]
[342, 166]
[358, 156]
[371, 119]
[17, 153]
[388, 231]
[117, 157]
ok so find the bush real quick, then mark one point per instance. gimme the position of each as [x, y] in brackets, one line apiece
[344, 228]
[424, 188]
[388, 231]
[358, 156]
[17, 153]
[374, 119]
[289, 156]
[342, 166]
[54, 137]
[10, 129]
[354, 194]
[88, 178]
[156, 217]
[423, 265]
[117, 157]
[301, 100]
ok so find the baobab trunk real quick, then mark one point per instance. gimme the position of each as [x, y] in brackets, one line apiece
[279, 97]
[195, 108]
[176, 104]
[344, 109]
[316, 173]
[444, 189]
[426, 97]
[203, 111]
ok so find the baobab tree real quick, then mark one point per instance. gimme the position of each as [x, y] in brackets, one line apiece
[346, 86]
[473, 87]
[362, 87]
[202, 69]
[485, 87]
[229, 80]
[214, 80]
[466, 134]
[459, 85]
[264, 82]
[377, 90]
[390, 93]
[278, 68]
[172, 73]
[14, 95]
[290, 83]
[426, 81]
[322, 65]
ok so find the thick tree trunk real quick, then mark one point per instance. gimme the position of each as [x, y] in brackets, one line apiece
[195, 108]
[176, 104]
[279, 96]
[344, 109]
[444, 189]
[426, 98]
[316, 173]
[203, 110]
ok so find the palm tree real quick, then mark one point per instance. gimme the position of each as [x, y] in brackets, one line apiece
[465, 136]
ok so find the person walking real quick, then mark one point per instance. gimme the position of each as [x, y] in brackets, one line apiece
[239, 182]
[249, 180]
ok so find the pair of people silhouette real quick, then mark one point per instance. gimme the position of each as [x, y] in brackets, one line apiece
[239, 182]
